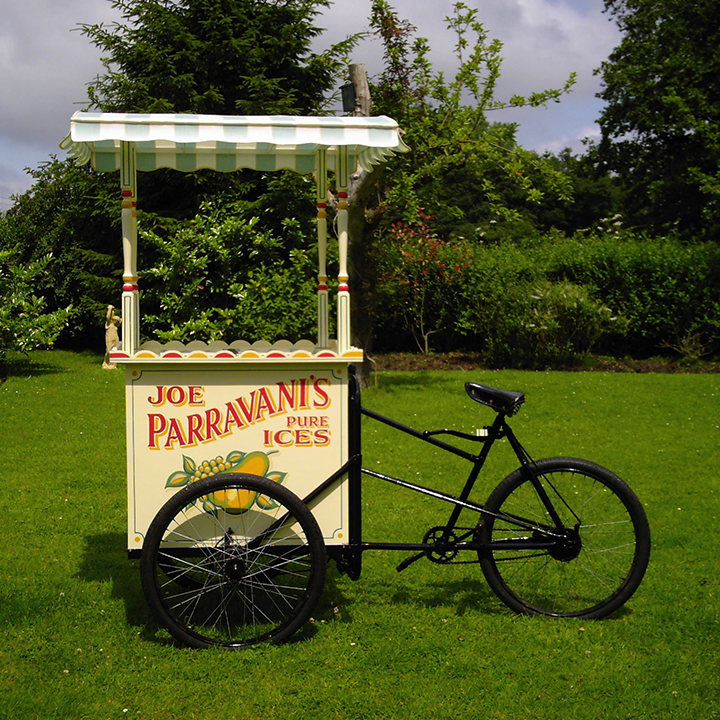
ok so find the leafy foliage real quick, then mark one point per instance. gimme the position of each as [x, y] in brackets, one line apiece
[454, 244]
[549, 300]
[25, 323]
[69, 214]
[420, 277]
[461, 168]
[664, 288]
[222, 275]
[214, 56]
[661, 123]
[521, 318]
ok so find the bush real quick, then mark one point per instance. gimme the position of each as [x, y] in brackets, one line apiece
[665, 290]
[24, 322]
[277, 303]
[566, 323]
[220, 277]
[420, 280]
[520, 319]
[550, 300]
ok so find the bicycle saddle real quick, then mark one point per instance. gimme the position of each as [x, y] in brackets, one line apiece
[499, 400]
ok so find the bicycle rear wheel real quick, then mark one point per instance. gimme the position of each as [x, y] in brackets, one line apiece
[591, 571]
[232, 561]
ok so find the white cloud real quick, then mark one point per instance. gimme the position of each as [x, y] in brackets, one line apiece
[589, 132]
[45, 66]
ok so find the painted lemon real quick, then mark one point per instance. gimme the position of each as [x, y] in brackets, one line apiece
[238, 501]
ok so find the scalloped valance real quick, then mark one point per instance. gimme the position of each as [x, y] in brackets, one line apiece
[227, 143]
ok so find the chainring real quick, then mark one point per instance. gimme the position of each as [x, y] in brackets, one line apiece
[444, 542]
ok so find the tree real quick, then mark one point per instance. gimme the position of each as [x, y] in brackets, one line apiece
[661, 124]
[461, 168]
[595, 191]
[220, 276]
[69, 214]
[209, 56]
[226, 57]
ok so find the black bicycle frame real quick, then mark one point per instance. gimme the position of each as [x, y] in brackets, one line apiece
[348, 556]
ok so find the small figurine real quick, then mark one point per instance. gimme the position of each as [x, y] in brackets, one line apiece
[112, 322]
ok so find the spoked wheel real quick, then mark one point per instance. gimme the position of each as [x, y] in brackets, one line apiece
[232, 561]
[591, 567]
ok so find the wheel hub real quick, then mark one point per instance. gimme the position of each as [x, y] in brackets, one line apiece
[235, 569]
[569, 546]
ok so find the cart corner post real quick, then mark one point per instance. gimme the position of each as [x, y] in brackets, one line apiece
[322, 297]
[131, 294]
[343, 298]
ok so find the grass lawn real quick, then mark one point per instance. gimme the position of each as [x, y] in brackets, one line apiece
[78, 641]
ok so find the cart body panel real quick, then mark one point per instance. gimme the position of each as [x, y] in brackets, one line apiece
[287, 421]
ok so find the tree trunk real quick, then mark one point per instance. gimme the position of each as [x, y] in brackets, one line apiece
[362, 221]
[363, 101]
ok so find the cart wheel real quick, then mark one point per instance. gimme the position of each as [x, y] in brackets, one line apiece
[232, 561]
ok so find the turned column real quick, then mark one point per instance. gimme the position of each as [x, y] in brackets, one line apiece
[130, 295]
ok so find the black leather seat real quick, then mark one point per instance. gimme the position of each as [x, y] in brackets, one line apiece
[504, 401]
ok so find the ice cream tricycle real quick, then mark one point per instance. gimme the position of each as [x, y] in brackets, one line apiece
[244, 461]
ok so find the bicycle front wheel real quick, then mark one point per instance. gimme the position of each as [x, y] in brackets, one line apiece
[589, 568]
[232, 561]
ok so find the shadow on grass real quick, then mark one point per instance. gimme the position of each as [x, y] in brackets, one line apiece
[459, 596]
[24, 365]
[455, 595]
[464, 596]
[334, 605]
[105, 559]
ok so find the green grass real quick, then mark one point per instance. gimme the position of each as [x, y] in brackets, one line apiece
[432, 642]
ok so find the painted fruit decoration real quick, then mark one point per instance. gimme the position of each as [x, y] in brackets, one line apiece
[235, 502]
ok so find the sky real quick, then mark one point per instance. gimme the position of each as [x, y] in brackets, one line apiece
[46, 63]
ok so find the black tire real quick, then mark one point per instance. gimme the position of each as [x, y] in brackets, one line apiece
[217, 574]
[602, 559]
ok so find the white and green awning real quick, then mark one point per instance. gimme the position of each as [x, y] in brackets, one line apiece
[228, 143]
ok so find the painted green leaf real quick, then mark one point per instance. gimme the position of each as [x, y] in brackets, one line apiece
[235, 457]
[265, 503]
[189, 465]
[277, 477]
[178, 479]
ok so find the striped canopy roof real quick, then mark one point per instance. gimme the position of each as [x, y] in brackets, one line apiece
[227, 143]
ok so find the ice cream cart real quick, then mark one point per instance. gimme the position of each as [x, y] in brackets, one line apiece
[272, 410]
[244, 460]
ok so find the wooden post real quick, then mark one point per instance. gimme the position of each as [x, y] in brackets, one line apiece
[361, 184]
[362, 90]
[130, 296]
[321, 185]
